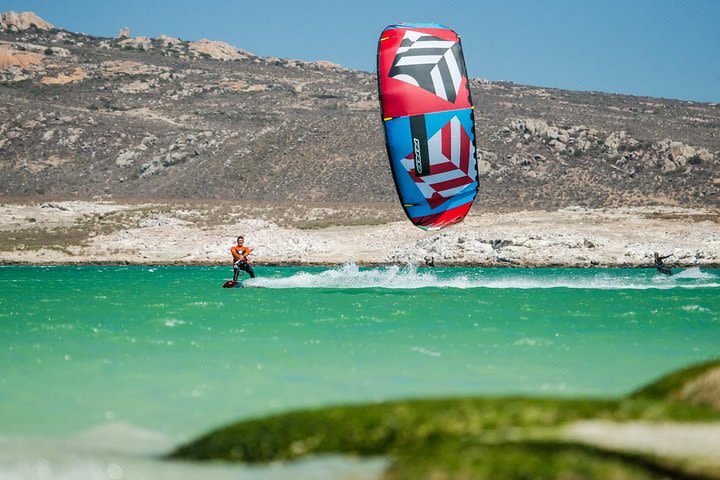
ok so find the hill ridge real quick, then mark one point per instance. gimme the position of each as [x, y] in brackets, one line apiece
[82, 116]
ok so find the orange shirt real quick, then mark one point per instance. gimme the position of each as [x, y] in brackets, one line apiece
[238, 252]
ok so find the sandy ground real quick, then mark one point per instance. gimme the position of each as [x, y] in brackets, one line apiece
[698, 443]
[572, 237]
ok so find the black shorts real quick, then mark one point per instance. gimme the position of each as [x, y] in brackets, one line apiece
[244, 266]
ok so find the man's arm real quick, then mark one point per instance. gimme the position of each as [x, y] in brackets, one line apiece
[236, 254]
[666, 256]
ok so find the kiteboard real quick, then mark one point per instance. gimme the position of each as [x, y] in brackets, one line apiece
[429, 122]
[233, 284]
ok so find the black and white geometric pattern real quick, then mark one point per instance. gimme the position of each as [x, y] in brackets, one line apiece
[431, 63]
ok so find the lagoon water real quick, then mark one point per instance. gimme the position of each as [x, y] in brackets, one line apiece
[131, 360]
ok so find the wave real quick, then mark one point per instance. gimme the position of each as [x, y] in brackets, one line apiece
[350, 276]
[695, 273]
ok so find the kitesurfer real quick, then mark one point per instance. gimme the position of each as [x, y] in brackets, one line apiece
[660, 265]
[240, 259]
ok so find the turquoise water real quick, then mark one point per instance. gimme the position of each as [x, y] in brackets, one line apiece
[167, 350]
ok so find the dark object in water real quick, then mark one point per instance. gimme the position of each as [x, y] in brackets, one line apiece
[230, 284]
[665, 271]
[660, 265]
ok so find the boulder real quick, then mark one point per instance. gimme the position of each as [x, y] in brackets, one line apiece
[125, 159]
[23, 21]
[676, 149]
[615, 139]
[486, 155]
[705, 155]
[140, 43]
[557, 145]
[688, 151]
[327, 65]
[146, 142]
[217, 50]
[168, 41]
[483, 167]
[668, 165]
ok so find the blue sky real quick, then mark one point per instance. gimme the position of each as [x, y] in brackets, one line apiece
[660, 48]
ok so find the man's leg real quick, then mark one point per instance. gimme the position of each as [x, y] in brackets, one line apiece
[236, 272]
[246, 267]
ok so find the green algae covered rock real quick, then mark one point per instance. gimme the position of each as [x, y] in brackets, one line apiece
[498, 438]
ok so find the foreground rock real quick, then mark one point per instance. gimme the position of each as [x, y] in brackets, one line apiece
[155, 233]
[647, 435]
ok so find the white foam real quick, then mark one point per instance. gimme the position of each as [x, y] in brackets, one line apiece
[694, 308]
[173, 322]
[425, 351]
[695, 273]
[350, 276]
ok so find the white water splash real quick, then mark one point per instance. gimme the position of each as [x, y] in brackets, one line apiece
[694, 308]
[350, 276]
[695, 273]
[173, 322]
[425, 351]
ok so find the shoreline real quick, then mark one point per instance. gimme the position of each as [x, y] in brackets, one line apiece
[81, 263]
[310, 235]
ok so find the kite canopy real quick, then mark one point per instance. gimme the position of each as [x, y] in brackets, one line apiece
[429, 123]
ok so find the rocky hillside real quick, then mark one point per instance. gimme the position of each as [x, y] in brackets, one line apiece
[82, 116]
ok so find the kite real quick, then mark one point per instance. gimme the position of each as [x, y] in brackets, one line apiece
[429, 124]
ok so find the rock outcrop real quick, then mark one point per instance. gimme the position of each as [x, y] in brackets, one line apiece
[123, 33]
[140, 43]
[12, 56]
[217, 50]
[616, 146]
[77, 75]
[14, 21]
